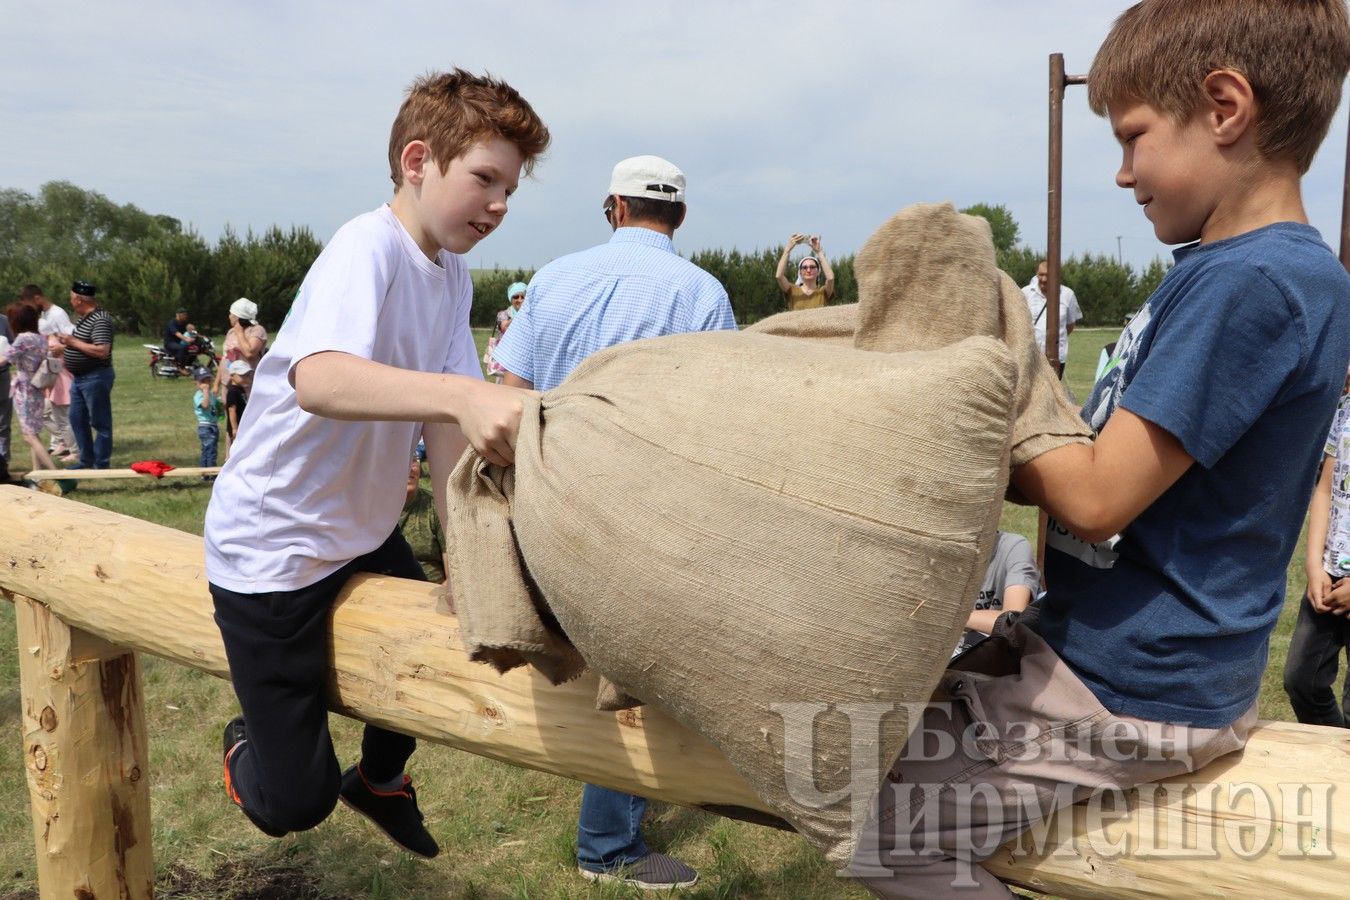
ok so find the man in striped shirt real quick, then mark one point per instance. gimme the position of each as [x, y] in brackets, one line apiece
[89, 358]
[632, 287]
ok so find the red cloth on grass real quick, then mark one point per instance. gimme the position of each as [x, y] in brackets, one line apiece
[151, 467]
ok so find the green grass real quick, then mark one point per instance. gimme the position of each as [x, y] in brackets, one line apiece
[505, 832]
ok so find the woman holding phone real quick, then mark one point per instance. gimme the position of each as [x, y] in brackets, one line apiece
[809, 291]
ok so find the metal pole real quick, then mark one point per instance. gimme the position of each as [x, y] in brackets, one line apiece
[1345, 207]
[1058, 81]
[1054, 189]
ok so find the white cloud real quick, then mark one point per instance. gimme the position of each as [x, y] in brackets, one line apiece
[825, 119]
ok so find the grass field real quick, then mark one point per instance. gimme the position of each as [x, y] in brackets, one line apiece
[505, 832]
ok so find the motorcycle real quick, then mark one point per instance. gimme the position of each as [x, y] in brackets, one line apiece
[200, 353]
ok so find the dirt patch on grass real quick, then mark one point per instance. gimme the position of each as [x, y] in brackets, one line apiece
[235, 882]
[228, 882]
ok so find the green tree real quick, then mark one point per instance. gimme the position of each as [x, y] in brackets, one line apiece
[1150, 279]
[152, 293]
[1005, 229]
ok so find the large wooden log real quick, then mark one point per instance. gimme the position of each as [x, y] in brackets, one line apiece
[85, 756]
[1267, 822]
[1271, 821]
[397, 661]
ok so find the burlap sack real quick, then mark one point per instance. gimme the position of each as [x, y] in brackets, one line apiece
[828, 324]
[722, 523]
[725, 523]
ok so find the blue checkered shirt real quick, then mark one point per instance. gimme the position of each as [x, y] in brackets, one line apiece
[633, 287]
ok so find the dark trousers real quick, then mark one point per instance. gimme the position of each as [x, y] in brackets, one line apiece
[91, 417]
[6, 412]
[209, 435]
[277, 645]
[1311, 667]
[179, 351]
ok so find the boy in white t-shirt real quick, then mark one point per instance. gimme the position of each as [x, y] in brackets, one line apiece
[376, 349]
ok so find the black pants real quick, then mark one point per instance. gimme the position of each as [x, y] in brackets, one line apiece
[1311, 667]
[277, 646]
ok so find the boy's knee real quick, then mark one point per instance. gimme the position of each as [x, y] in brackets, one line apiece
[1296, 681]
[301, 812]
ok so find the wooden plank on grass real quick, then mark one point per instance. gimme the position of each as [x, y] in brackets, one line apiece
[100, 474]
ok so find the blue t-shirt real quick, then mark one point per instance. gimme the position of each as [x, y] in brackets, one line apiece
[635, 286]
[207, 416]
[1241, 355]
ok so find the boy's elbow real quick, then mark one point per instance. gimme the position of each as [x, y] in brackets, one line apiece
[305, 402]
[306, 396]
[308, 379]
[309, 399]
[1096, 522]
[1095, 535]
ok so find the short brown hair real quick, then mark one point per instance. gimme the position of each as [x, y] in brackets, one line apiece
[1294, 53]
[22, 317]
[451, 111]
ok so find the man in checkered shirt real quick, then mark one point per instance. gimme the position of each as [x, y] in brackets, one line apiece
[633, 286]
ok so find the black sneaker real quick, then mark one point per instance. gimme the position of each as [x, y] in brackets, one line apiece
[234, 739]
[394, 812]
[654, 872]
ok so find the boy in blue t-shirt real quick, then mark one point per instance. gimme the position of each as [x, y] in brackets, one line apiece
[1170, 535]
[208, 407]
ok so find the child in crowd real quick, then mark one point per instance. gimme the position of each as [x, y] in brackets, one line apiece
[1010, 582]
[376, 349]
[208, 407]
[240, 375]
[420, 526]
[515, 296]
[1170, 535]
[1323, 631]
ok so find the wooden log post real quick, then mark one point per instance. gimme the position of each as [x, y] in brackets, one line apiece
[86, 758]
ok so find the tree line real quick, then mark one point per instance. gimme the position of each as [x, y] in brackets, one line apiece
[147, 265]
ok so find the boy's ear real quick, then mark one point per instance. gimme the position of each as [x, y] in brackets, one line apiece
[413, 160]
[1232, 105]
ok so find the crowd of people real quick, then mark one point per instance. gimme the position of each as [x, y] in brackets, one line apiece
[57, 376]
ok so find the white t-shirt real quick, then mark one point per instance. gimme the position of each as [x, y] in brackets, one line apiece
[1069, 314]
[301, 496]
[54, 321]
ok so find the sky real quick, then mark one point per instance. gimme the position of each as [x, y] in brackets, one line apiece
[823, 119]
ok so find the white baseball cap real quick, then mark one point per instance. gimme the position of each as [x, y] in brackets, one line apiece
[650, 177]
[239, 367]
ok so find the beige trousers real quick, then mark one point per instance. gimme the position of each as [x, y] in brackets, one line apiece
[1000, 756]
